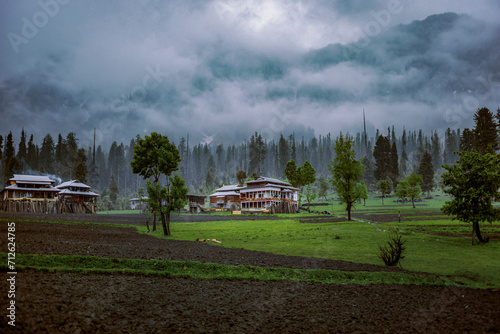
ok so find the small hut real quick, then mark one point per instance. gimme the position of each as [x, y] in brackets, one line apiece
[76, 197]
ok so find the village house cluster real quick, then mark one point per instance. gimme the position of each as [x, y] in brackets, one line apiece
[262, 194]
[39, 194]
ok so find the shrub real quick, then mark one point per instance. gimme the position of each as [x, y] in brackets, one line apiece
[392, 253]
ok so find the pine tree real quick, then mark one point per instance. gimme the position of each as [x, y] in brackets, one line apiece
[394, 165]
[485, 131]
[47, 155]
[382, 156]
[31, 154]
[22, 150]
[426, 169]
[284, 154]
[436, 151]
[10, 163]
[467, 140]
[60, 158]
[80, 167]
[113, 189]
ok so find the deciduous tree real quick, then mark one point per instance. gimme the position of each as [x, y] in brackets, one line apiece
[346, 173]
[473, 183]
[155, 156]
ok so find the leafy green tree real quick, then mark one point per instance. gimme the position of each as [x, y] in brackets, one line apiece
[310, 196]
[346, 173]
[402, 189]
[473, 183]
[385, 187]
[300, 177]
[363, 192]
[414, 190]
[155, 156]
[426, 169]
[323, 188]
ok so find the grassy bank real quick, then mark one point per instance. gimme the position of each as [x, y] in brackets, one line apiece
[197, 270]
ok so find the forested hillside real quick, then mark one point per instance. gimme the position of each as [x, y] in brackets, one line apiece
[390, 152]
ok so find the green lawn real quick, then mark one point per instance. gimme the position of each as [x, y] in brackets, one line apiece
[360, 241]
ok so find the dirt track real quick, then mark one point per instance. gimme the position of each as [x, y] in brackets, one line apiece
[74, 303]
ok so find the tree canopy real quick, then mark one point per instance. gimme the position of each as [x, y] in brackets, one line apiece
[155, 156]
[346, 173]
[473, 183]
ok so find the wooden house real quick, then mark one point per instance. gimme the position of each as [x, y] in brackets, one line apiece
[30, 193]
[262, 194]
[270, 194]
[226, 197]
[76, 197]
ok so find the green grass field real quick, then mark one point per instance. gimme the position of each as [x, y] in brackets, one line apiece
[359, 241]
[452, 260]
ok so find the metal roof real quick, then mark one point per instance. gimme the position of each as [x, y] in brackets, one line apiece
[73, 183]
[265, 188]
[33, 179]
[225, 193]
[16, 187]
[270, 180]
[67, 192]
[229, 188]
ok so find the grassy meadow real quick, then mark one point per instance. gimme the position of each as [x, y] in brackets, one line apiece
[359, 241]
[451, 260]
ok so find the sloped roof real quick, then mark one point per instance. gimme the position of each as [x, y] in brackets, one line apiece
[16, 187]
[225, 193]
[73, 183]
[229, 188]
[269, 180]
[33, 179]
[67, 192]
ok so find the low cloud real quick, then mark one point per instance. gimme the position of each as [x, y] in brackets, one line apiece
[229, 68]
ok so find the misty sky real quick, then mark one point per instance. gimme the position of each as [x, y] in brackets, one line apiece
[223, 69]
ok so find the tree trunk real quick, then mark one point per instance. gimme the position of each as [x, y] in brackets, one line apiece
[382, 199]
[476, 232]
[349, 212]
[168, 223]
[413, 202]
[154, 221]
[164, 224]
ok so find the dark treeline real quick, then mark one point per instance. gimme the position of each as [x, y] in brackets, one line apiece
[205, 167]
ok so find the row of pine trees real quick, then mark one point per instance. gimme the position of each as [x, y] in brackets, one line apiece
[204, 167]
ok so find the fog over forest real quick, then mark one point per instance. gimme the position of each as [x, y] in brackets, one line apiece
[221, 70]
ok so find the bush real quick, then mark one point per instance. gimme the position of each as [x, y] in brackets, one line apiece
[392, 253]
